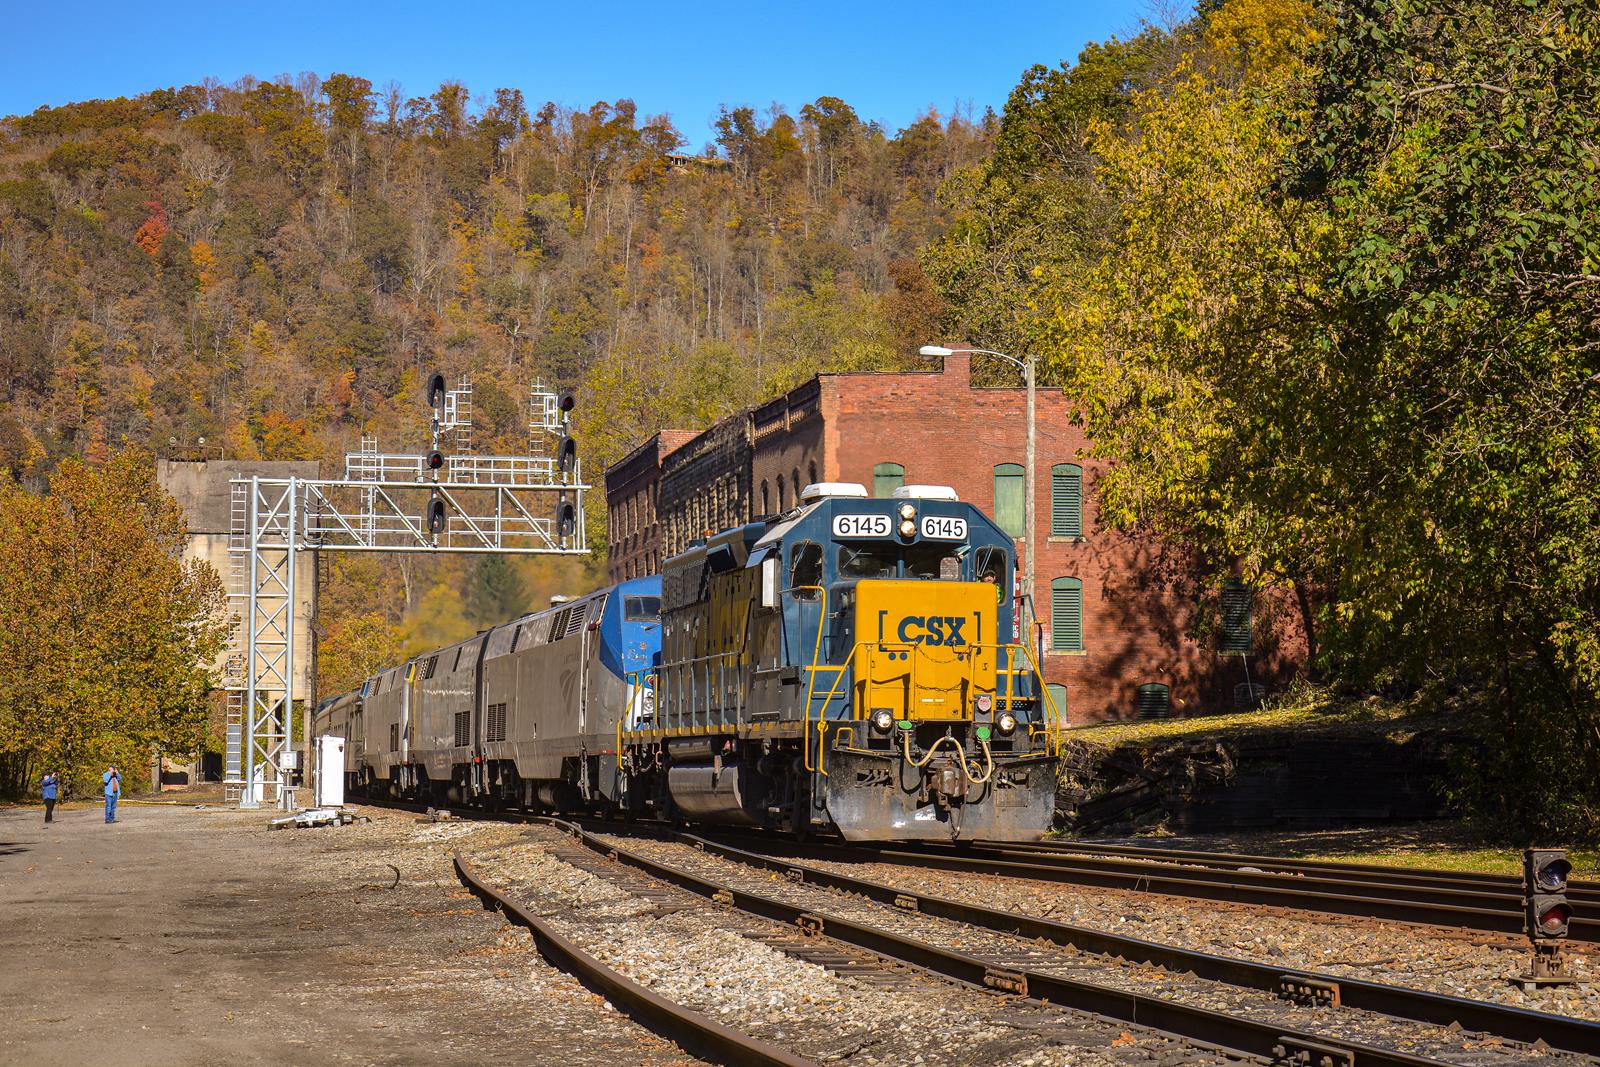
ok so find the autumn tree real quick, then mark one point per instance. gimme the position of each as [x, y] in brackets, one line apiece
[107, 634]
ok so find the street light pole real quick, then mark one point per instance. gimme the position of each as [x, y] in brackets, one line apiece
[1031, 532]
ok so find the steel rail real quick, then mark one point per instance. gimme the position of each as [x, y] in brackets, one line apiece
[684, 1026]
[1585, 890]
[1517, 1024]
[1459, 909]
[1204, 1027]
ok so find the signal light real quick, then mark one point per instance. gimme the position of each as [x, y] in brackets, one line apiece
[436, 516]
[565, 401]
[435, 459]
[436, 391]
[1544, 877]
[567, 454]
[566, 519]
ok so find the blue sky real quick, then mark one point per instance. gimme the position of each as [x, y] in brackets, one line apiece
[889, 60]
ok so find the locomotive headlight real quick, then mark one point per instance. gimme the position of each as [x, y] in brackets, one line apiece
[985, 703]
[908, 511]
[882, 720]
[1006, 724]
[647, 704]
[908, 528]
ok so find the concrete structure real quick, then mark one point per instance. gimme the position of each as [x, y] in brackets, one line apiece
[203, 490]
[1119, 617]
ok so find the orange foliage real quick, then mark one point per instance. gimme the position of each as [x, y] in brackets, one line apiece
[150, 235]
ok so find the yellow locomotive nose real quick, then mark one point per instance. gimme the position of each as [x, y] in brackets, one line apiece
[927, 649]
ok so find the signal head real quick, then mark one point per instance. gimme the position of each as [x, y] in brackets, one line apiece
[435, 459]
[1545, 870]
[435, 390]
[436, 515]
[1548, 917]
[566, 519]
[565, 401]
[567, 454]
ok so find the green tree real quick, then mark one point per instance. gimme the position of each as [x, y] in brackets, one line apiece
[495, 592]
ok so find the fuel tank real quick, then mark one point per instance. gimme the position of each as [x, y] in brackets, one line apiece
[726, 794]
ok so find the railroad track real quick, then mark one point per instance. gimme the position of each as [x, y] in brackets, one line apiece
[1021, 967]
[1487, 903]
[1034, 1024]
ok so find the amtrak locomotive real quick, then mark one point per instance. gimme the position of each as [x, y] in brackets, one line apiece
[848, 666]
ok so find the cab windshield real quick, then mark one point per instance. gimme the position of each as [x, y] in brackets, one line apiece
[925, 561]
[869, 561]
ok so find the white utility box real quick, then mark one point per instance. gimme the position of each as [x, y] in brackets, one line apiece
[329, 772]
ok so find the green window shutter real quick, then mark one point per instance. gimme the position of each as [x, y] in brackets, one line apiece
[1236, 621]
[886, 478]
[1008, 498]
[1066, 500]
[1066, 615]
[1155, 700]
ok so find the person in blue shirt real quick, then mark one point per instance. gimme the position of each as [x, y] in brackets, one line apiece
[113, 783]
[47, 789]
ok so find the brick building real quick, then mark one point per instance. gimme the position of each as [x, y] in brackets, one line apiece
[1118, 616]
[633, 531]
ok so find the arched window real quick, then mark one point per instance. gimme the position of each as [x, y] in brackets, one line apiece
[794, 482]
[1155, 700]
[1008, 498]
[1066, 500]
[781, 506]
[1066, 614]
[886, 478]
[766, 498]
[811, 473]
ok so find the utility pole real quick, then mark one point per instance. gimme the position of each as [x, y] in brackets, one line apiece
[1030, 530]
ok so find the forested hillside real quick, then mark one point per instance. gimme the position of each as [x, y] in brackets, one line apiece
[276, 266]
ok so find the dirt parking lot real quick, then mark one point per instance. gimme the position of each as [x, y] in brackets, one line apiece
[184, 936]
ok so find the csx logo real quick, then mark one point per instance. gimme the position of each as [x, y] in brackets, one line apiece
[932, 630]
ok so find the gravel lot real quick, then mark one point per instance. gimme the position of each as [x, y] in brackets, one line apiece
[199, 937]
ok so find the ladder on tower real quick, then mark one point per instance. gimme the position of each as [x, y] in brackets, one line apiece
[234, 668]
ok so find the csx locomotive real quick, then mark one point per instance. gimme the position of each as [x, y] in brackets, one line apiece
[850, 665]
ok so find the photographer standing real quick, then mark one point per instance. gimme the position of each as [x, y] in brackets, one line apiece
[47, 789]
[113, 782]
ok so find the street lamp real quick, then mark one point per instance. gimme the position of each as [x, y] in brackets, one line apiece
[1026, 366]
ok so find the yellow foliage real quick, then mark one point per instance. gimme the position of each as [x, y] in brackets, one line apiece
[1263, 36]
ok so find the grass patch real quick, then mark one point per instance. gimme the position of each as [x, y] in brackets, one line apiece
[1299, 711]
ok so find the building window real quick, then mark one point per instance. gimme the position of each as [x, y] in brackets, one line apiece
[766, 498]
[1066, 615]
[1008, 498]
[794, 482]
[886, 478]
[811, 473]
[1155, 700]
[1236, 621]
[781, 506]
[1066, 500]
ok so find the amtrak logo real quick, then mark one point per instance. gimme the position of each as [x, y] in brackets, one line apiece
[946, 630]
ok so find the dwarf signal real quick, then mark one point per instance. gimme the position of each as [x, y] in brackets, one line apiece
[1547, 914]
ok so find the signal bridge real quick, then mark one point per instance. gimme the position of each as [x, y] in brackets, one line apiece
[386, 502]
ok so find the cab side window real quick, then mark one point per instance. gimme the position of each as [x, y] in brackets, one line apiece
[991, 567]
[805, 569]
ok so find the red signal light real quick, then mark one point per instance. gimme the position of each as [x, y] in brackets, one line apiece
[1553, 920]
[435, 459]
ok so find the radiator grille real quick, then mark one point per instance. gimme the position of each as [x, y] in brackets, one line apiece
[463, 729]
[495, 729]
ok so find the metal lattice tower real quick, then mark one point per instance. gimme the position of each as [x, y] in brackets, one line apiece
[530, 504]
